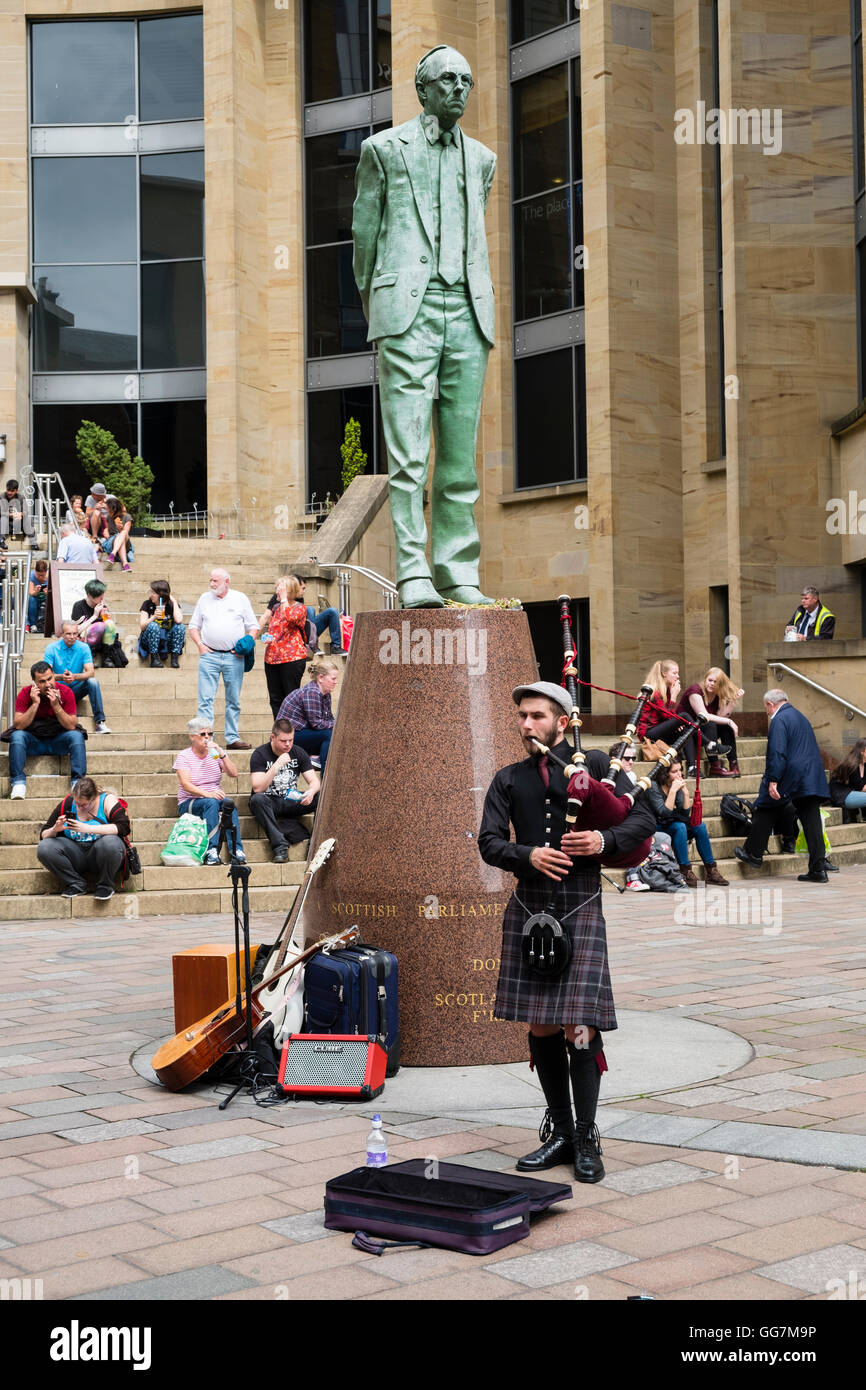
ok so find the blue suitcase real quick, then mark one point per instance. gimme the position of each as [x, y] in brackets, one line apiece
[355, 991]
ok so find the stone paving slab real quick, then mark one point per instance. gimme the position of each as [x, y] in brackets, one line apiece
[697, 1203]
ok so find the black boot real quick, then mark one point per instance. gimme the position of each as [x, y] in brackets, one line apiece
[175, 660]
[155, 662]
[586, 1083]
[557, 1128]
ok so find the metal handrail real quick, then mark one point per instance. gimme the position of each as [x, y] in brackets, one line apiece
[13, 626]
[780, 666]
[48, 505]
[389, 590]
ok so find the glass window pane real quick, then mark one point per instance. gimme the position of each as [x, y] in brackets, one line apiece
[83, 72]
[579, 257]
[171, 68]
[84, 209]
[541, 131]
[172, 205]
[576, 124]
[531, 17]
[335, 319]
[545, 419]
[331, 164]
[580, 412]
[174, 445]
[85, 318]
[336, 49]
[327, 413]
[172, 314]
[542, 255]
[54, 431]
[382, 73]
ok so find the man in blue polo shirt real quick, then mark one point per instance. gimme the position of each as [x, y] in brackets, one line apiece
[72, 661]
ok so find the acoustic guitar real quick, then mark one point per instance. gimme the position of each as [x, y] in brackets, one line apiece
[283, 1004]
[188, 1055]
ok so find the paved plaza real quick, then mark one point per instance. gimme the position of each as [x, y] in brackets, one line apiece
[734, 1124]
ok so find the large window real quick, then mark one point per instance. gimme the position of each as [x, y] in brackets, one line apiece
[117, 170]
[547, 247]
[859, 188]
[347, 78]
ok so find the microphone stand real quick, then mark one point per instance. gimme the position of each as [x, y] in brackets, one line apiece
[239, 873]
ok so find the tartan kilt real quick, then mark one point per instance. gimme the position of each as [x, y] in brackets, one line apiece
[582, 994]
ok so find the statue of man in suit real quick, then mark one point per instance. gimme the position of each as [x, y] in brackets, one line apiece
[422, 271]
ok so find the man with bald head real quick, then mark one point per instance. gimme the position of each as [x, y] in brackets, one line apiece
[422, 270]
[222, 617]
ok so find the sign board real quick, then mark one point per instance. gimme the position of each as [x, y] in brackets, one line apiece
[65, 587]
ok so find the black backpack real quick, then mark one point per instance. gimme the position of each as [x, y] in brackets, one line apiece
[737, 812]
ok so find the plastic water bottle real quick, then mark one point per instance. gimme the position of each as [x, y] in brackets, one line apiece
[377, 1148]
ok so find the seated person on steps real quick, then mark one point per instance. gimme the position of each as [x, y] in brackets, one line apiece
[72, 661]
[161, 621]
[671, 802]
[276, 800]
[84, 837]
[76, 547]
[714, 697]
[199, 771]
[309, 710]
[45, 725]
[96, 626]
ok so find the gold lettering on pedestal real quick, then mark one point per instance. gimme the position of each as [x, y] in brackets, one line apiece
[432, 908]
[364, 909]
[490, 963]
[480, 1003]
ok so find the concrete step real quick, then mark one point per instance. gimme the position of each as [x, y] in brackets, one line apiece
[130, 784]
[158, 877]
[145, 830]
[784, 866]
[168, 903]
[37, 808]
[21, 855]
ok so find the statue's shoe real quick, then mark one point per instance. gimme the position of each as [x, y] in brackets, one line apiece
[418, 593]
[464, 593]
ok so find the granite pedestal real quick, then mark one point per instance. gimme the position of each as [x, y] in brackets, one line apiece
[425, 720]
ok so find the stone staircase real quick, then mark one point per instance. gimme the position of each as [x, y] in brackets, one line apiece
[147, 711]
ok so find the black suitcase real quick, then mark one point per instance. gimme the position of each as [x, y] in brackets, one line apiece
[355, 991]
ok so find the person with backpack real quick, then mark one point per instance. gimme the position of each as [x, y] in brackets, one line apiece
[85, 837]
[284, 632]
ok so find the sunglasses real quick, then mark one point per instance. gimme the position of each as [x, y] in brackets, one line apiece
[627, 758]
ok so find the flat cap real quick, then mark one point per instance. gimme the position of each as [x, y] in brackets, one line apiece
[548, 690]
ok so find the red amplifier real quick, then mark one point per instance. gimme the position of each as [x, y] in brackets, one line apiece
[333, 1066]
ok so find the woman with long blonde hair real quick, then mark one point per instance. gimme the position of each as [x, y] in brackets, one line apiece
[714, 698]
[664, 679]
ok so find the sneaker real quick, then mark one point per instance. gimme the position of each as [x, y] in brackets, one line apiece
[281, 854]
[212, 857]
[102, 728]
[126, 568]
[635, 884]
[240, 857]
[103, 894]
[339, 651]
[317, 762]
[18, 793]
[72, 892]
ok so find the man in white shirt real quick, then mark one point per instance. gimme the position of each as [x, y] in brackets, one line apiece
[75, 547]
[222, 616]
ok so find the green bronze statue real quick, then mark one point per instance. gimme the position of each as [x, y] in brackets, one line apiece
[422, 271]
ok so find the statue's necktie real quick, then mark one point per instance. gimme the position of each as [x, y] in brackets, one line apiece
[450, 250]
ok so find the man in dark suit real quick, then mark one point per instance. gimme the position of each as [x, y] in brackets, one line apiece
[423, 274]
[794, 771]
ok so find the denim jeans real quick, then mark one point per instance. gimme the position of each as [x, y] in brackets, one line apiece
[854, 801]
[316, 741]
[209, 809]
[24, 745]
[211, 666]
[328, 618]
[681, 834]
[89, 690]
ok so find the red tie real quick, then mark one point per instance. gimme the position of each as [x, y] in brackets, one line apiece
[543, 769]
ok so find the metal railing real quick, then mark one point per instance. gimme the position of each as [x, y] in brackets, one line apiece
[50, 512]
[344, 582]
[850, 710]
[13, 626]
[238, 523]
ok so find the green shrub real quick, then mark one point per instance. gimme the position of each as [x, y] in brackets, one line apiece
[105, 461]
[354, 458]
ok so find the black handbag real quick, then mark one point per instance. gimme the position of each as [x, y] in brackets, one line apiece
[736, 811]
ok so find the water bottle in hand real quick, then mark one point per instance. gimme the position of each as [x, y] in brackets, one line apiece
[377, 1148]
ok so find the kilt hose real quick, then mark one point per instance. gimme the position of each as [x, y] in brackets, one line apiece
[582, 994]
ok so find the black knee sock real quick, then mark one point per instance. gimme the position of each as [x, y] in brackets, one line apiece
[586, 1078]
[551, 1064]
